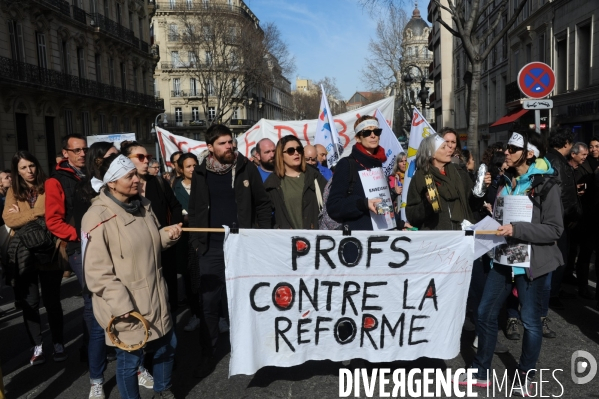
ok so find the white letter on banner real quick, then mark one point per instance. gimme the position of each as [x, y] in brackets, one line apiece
[383, 383]
[411, 392]
[345, 388]
[369, 382]
[399, 383]
[357, 383]
[471, 381]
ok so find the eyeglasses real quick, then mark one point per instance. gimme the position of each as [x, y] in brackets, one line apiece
[291, 150]
[512, 149]
[367, 133]
[77, 151]
[141, 157]
[153, 167]
[310, 159]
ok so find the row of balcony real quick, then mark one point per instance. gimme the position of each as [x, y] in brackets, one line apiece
[12, 70]
[199, 6]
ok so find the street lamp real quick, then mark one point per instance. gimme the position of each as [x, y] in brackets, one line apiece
[155, 135]
[408, 79]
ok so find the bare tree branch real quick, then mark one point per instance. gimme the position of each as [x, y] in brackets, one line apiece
[489, 33]
[449, 28]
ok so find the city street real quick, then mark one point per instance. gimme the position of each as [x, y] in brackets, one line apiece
[577, 328]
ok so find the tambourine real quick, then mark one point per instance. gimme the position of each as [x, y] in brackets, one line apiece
[433, 194]
[120, 344]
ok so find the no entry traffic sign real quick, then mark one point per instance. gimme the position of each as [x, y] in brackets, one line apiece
[536, 80]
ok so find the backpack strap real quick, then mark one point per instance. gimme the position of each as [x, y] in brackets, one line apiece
[548, 181]
[352, 172]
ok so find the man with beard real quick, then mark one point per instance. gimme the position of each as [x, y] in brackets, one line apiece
[265, 155]
[226, 189]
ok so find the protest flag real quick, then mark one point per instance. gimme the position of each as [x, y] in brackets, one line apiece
[419, 130]
[389, 142]
[170, 143]
[326, 132]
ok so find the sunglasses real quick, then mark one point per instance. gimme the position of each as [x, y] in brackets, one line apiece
[141, 157]
[77, 151]
[291, 150]
[367, 133]
[310, 159]
[512, 149]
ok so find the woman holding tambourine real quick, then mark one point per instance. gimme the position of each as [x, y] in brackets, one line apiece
[440, 194]
[122, 244]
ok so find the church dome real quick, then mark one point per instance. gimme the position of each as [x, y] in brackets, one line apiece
[416, 24]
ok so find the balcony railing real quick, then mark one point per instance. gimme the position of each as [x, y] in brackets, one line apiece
[199, 6]
[512, 92]
[11, 70]
[79, 15]
[178, 93]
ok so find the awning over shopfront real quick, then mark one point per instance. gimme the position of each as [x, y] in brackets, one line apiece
[510, 117]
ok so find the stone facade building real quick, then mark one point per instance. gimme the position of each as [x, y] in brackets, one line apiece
[73, 67]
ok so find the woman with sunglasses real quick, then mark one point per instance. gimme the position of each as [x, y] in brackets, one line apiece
[396, 179]
[527, 166]
[440, 194]
[347, 202]
[28, 270]
[165, 206]
[294, 189]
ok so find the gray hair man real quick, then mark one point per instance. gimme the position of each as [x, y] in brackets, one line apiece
[154, 167]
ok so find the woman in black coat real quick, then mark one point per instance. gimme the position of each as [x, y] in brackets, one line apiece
[293, 188]
[347, 202]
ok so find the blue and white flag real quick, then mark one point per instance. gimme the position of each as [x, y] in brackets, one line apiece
[389, 142]
[419, 130]
[326, 132]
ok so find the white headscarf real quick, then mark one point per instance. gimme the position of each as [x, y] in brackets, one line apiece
[438, 142]
[518, 140]
[368, 122]
[119, 167]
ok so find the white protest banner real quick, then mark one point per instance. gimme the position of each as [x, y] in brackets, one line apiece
[326, 132]
[375, 186]
[508, 209]
[305, 130]
[389, 142]
[379, 296]
[170, 143]
[114, 138]
[419, 130]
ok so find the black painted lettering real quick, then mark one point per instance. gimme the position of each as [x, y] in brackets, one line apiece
[279, 332]
[350, 251]
[324, 252]
[300, 246]
[414, 329]
[430, 293]
[301, 330]
[393, 330]
[330, 284]
[405, 295]
[405, 253]
[370, 251]
[253, 298]
[369, 323]
[366, 295]
[345, 330]
[347, 294]
[312, 298]
[317, 331]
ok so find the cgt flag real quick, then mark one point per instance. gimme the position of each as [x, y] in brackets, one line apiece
[326, 132]
[389, 142]
[419, 130]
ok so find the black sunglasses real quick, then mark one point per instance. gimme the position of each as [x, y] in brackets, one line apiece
[367, 133]
[291, 150]
[512, 149]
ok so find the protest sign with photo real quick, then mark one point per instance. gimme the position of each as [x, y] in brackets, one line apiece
[379, 296]
[508, 209]
[375, 186]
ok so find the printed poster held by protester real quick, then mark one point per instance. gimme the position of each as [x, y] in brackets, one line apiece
[326, 132]
[419, 130]
[375, 186]
[508, 209]
[274, 130]
[379, 296]
[389, 142]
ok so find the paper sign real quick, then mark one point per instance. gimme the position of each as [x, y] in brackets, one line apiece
[484, 243]
[376, 186]
[402, 296]
[508, 209]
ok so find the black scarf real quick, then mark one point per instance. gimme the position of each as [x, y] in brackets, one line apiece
[451, 190]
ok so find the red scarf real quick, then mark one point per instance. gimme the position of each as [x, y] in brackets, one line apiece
[379, 153]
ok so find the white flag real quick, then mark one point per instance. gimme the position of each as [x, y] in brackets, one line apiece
[419, 130]
[326, 132]
[170, 143]
[389, 142]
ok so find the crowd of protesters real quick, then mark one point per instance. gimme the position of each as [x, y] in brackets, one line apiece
[113, 207]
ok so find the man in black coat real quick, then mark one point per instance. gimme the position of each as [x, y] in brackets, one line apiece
[226, 189]
[560, 143]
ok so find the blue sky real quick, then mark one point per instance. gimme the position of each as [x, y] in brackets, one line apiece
[327, 37]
